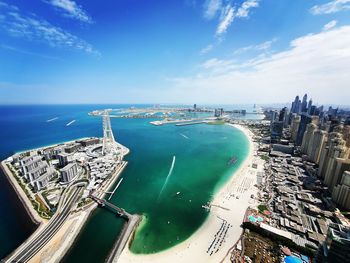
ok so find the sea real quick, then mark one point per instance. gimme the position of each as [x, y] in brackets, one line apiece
[172, 171]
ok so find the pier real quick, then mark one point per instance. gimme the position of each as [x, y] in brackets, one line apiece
[190, 123]
[127, 231]
[112, 193]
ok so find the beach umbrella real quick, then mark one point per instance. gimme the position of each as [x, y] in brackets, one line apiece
[286, 251]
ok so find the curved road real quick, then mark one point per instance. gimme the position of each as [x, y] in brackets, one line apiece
[29, 250]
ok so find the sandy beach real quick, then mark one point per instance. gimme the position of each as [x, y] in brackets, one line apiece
[213, 240]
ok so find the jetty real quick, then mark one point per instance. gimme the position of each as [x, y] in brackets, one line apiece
[190, 123]
[112, 193]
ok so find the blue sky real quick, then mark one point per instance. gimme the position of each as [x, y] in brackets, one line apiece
[183, 51]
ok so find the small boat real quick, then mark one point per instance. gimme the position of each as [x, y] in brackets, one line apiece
[232, 161]
[177, 194]
[206, 207]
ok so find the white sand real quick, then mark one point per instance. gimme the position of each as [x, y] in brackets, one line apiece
[194, 249]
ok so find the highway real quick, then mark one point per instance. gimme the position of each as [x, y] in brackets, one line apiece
[25, 253]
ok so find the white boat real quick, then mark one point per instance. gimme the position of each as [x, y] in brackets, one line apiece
[68, 124]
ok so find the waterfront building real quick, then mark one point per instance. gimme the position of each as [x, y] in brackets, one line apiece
[336, 248]
[219, 112]
[346, 135]
[276, 130]
[304, 121]
[37, 171]
[89, 142]
[341, 192]
[317, 142]
[69, 173]
[294, 126]
[71, 148]
[334, 160]
[29, 163]
[311, 128]
[64, 158]
[52, 152]
[42, 181]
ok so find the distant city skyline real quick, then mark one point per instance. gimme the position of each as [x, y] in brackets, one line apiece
[204, 52]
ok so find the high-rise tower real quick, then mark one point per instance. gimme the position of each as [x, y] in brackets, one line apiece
[304, 104]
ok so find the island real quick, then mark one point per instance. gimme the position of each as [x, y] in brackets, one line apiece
[60, 185]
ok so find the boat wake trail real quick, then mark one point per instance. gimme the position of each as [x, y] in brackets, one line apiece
[53, 119]
[167, 178]
[70, 123]
[183, 135]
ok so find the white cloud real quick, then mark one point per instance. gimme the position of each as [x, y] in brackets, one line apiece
[330, 25]
[70, 9]
[317, 64]
[243, 11]
[206, 49]
[227, 12]
[259, 47]
[226, 19]
[36, 29]
[212, 7]
[331, 7]
[18, 50]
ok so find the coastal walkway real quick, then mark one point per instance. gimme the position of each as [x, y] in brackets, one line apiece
[127, 231]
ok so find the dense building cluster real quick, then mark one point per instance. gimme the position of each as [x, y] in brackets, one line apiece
[309, 175]
[322, 137]
[59, 164]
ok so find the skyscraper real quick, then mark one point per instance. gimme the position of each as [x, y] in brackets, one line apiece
[309, 107]
[304, 121]
[304, 104]
[317, 142]
[311, 127]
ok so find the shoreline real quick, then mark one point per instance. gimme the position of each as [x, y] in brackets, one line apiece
[22, 197]
[64, 240]
[194, 249]
[60, 244]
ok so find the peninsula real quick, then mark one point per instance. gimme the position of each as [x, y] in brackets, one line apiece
[60, 185]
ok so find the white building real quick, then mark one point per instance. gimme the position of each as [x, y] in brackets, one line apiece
[69, 173]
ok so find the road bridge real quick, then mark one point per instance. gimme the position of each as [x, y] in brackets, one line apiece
[127, 231]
